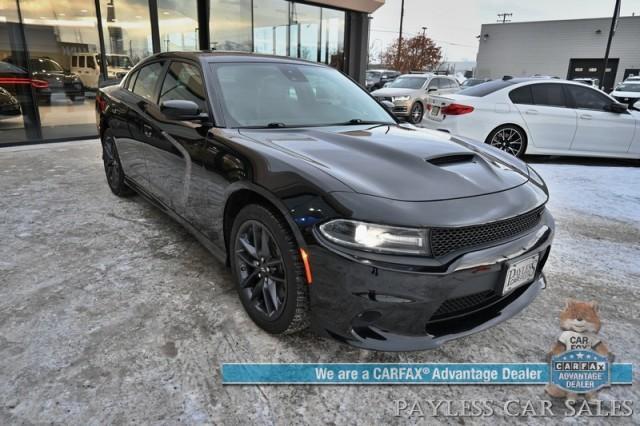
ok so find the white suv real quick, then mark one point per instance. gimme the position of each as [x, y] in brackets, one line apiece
[409, 93]
[87, 67]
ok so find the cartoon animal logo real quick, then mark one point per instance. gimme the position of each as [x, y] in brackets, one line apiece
[580, 324]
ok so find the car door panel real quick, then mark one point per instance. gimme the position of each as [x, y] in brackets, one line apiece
[599, 130]
[551, 125]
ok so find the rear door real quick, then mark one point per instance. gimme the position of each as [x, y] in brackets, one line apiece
[544, 107]
[599, 130]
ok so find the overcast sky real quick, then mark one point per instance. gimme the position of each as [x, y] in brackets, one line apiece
[454, 24]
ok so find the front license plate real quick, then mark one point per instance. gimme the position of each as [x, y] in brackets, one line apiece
[520, 273]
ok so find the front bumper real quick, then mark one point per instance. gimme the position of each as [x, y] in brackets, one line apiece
[385, 307]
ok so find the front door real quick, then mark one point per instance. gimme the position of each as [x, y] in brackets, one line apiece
[599, 130]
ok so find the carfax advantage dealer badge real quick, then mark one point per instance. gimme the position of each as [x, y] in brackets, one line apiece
[580, 371]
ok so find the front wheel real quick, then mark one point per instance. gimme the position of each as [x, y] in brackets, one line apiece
[510, 139]
[416, 113]
[113, 167]
[268, 271]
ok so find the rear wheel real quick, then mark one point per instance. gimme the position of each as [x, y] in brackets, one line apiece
[113, 167]
[416, 113]
[510, 139]
[268, 271]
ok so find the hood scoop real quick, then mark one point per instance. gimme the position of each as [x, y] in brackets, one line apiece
[450, 159]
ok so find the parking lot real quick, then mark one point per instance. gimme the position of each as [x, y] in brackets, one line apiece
[112, 313]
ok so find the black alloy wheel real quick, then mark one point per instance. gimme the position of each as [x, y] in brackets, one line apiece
[416, 113]
[113, 167]
[510, 139]
[268, 271]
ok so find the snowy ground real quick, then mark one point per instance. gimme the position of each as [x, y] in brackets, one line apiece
[111, 313]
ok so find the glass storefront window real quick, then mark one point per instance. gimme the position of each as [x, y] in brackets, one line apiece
[178, 25]
[127, 32]
[56, 33]
[271, 26]
[332, 46]
[230, 25]
[305, 32]
[15, 84]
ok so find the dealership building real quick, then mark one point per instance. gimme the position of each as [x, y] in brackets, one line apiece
[52, 51]
[566, 49]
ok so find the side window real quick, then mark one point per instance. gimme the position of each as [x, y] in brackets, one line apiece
[453, 84]
[585, 98]
[74, 61]
[434, 83]
[90, 62]
[132, 80]
[548, 95]
[81, 61]
[145, 84]
[183, 82]
[521, 95]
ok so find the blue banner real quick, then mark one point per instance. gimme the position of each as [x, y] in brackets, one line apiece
[433, 373]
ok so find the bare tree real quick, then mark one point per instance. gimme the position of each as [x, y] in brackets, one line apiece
[418, 53]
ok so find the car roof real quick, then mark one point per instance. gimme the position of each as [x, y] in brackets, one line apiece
[213, 56]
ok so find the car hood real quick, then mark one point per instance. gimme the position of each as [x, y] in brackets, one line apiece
[399, 163]
[391, 91]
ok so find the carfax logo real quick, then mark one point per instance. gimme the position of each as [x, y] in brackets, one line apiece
[579, 360]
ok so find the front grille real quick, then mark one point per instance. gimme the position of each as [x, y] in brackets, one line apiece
[464, 303]
[449, 240]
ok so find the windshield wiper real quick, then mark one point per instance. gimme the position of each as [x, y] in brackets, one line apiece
[361, 121]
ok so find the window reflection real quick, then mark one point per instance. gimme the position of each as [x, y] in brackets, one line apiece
[332, 48]
[127, 29]
[230, 25]
[58, 34]
[178, 25]
[305, 31]
[271, 22]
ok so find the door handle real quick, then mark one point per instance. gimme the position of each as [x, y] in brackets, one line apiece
[531, 112]
[147, 130]
[586, 116]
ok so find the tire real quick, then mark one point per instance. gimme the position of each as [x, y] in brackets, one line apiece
[278, 267]
[113, 166]
[509, 138]
[416, 113]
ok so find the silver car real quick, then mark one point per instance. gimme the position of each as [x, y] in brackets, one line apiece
[409, 93]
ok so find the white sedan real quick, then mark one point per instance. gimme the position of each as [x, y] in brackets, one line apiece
[539, 116]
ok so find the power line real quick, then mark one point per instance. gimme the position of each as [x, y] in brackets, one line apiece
[502, 17]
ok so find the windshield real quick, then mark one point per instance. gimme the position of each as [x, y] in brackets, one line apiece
[292, 95]
[628, 87]
[408, 82]
[44, 65]
[373, 74]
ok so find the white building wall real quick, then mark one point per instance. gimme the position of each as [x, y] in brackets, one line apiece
[545, 47]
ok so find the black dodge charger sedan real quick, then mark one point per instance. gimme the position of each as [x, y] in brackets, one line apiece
[329, 212]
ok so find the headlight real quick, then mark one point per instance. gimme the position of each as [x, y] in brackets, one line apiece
[401, 98]
[534, 176]
[377, 238]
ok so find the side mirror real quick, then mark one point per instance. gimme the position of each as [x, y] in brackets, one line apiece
[180, 110]
[636, 106]
[617, 108]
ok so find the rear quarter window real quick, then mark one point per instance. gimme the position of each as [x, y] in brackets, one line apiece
[521, 95]
[487, 88]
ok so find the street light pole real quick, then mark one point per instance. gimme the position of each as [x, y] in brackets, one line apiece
[400, 34]
[614, 23]
[424, 30]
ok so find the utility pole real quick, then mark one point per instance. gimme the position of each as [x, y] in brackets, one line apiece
[612, 31]
[400, 35]
[424, 30]
[502, 17]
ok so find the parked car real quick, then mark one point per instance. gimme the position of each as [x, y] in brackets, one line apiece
[593, 82]
[60, 81]
[16, 81]
[9, 105]
[627, 93]
[535, 116]
[376, 79]
[87, 66]
[470, 82]
[632, 78]
[409, 93]
[328, 211]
